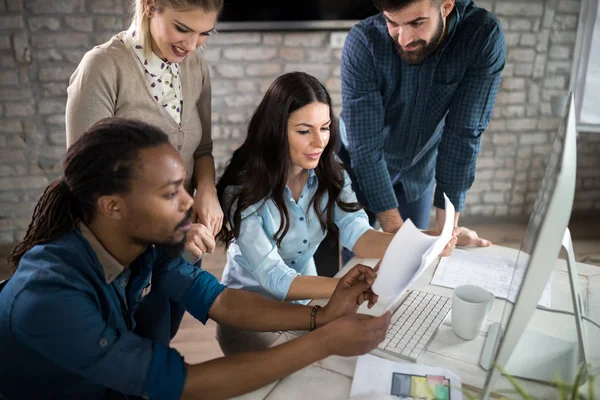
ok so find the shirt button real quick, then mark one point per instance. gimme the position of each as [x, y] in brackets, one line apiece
[293, 262]
[305, 241]
[122, 283]
[180, 129]
[103, 342]
[179, 147]
[299, 252]
[301, 218]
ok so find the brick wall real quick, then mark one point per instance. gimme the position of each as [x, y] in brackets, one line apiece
[42, 41]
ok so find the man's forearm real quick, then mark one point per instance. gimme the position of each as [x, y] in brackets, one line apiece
[247, 310]
[440, 217]
[230, 376]
[390, 220]
[204, 171]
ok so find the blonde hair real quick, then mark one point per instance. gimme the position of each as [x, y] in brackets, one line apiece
[140, 22]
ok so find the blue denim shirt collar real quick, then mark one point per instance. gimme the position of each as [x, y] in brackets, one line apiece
[312, 177]
[111, 267]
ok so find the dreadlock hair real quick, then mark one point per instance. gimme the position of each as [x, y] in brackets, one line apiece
[101, 162]
[259, 167]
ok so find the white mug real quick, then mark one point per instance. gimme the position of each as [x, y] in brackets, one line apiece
[471, 306]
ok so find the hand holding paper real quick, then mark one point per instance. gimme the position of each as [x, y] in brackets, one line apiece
[408, 255]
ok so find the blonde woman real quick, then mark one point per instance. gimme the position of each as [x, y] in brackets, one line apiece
[152, 72]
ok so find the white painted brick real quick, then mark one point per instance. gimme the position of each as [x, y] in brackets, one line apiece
[504, 138]
[263, 70]
[565, 22]
[272, 39]
[24, 109]
[511, 39]
[501, 210]
[55, 73]
[493, 198]
[59, 7]
[555, 82]
[548, 19]
[533, 110]
[558, 52]
[563, 37]
[305, 39]
[569, 6]
[107, 7]
[321, 72]
[504, 173]
[11, 126]
[211, 54]
[37, 23]
[558, 67]
[319, 56]
[519, 9]
[528, 39]
[513, 83]
[82, 24]
[230, 70]
[539, 65]
[246, 54]
[523, 70]
[543, 38]
[234, 38]
[521, 55]
[104, 23]
[292, 54]
[334, 85]
[246, 86]
[59, 40]
[521, 124]
[30, 182]
[11, 21]
[520, 25]
[46, 107]
[533, 138]
[47, 55]
[222, 87]
[56, 119]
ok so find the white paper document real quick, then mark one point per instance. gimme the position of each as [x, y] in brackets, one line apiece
[403, 380]
[408, 256]
[499, 275]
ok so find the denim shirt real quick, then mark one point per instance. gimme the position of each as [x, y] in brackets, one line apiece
[67, 315]
[406, 124]
[255, 263]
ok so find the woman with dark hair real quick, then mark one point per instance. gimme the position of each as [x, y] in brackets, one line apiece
[282, 193]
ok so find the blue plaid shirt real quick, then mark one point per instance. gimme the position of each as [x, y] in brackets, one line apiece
[400, 119]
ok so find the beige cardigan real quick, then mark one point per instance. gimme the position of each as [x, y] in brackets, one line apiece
[109, 81]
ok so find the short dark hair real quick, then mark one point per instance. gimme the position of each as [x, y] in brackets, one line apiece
[395, 5]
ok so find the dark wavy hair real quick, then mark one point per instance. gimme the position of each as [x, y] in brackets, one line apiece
[101, 162]
[258, 168]
[397, 5]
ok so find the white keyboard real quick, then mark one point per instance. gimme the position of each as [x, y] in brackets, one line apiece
[414, 323]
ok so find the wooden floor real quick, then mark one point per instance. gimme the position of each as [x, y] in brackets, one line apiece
[197, 343]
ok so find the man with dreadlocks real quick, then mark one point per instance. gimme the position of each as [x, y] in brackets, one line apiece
[104, 235]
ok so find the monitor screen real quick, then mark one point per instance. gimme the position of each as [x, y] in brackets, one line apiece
[278, 15]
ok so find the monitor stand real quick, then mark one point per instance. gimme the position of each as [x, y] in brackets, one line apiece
[541, 357]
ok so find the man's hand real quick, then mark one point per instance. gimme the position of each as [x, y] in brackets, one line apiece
[468, 237]
[199, 240]
[355, 334]
[390, 220]
[207, 209]
[352, 290]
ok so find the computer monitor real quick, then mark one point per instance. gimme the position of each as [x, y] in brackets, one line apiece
[546, 230]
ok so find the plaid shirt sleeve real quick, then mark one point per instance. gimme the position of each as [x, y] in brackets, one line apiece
[363, 115]
[468, 117]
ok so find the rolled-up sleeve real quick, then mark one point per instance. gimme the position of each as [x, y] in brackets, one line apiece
[65, 325]
[261, 258]
[352, 225]
[363, 116]
[193, 288]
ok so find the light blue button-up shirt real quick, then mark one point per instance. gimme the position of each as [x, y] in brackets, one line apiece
[255, 263]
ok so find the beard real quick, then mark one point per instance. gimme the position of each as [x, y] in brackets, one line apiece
[172, 249]
[424, 49]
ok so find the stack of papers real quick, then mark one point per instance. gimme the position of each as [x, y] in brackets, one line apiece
[408, 256]
[501, 276]
[403, 380]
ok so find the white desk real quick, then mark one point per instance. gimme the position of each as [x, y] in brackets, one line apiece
[331, 378]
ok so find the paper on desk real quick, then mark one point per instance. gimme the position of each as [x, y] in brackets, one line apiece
[499, 275]
[408, 256]
[403, 380]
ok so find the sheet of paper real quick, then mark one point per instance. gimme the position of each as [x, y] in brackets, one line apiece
[403, 380]
[501, 276]
[408, 256]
